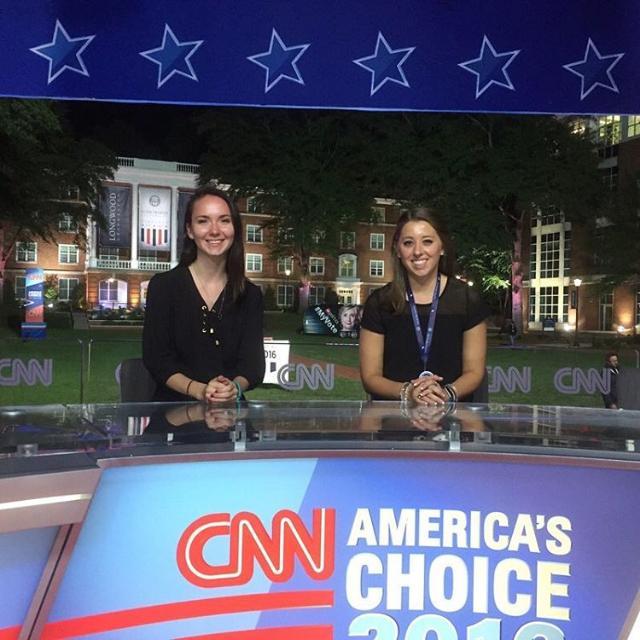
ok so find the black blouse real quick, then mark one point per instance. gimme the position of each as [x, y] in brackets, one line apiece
[460, 308]
[181, 335]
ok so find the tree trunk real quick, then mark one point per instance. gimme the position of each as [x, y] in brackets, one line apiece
[516, 275]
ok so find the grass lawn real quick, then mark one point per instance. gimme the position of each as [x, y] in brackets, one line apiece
[92, 357]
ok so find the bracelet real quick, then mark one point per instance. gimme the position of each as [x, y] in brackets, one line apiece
[451, 392]
[186, 393]
[238, 390]
[405, 390]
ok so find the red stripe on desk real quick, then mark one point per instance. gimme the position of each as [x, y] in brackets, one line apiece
[127, 618]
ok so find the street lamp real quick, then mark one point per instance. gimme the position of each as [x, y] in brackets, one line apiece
[576, 283]
[287, 272]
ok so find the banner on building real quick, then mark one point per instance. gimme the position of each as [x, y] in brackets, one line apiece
[183, 200]
[115, 206]
[154, 216]
[530, 56]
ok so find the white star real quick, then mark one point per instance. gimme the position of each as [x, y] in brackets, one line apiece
[384, 62]
[171, 55]
[280, 61]
[60, 49]
[487, 68]
[592, 67]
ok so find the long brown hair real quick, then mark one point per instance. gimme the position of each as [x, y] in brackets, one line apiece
[396, 296]
[235, 256]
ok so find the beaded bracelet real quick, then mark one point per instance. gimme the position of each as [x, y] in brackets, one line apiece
[405, 390]
[238, 390]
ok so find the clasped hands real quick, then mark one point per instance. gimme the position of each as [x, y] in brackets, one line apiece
[428, 390]
[220, 389]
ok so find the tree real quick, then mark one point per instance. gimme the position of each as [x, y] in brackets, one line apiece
[312, 170]
[489, 269]
[496, 172]
[44, 173]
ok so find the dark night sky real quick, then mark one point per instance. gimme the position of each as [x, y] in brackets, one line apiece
[160, 132]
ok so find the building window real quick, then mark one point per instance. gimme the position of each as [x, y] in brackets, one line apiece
[551, 218]
[254, 206]
[21, 288]
[376, 268]
[347, 266]
[112, 293]
[285, 264]
[285, 236]
[148, 255]
[284, 295]
[567, 253]
[346, 296]
[550, 255]
[637, 305]
[549, 303]
[608, 130]
[605, 313]
[68, 254]
[254, 233]
[565, 306]
[26, 251]
[532, 305]
[610, 177]
[316, 266]
[633, 126]
[316, 295]
[377, 214]
[533, 257]
[67, 223]
[318, 236]
[110, 253]
[254, 262]
[66, 287]
[376, 241]
[347, 239]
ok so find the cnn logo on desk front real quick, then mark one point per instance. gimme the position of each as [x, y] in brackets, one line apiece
[249, 543]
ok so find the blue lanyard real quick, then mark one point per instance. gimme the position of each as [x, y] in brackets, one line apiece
[424, 344]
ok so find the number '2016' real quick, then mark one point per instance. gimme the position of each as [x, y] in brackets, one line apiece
[386, 628]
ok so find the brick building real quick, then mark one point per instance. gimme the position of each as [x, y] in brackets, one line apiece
[114, 271]
[563, 283]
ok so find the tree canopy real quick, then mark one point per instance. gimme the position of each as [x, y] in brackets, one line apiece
[45, 171]
[313, 170]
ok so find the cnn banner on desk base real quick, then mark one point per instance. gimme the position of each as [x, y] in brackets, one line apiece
[393, 548]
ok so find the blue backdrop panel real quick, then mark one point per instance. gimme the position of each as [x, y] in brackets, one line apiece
[458, 55]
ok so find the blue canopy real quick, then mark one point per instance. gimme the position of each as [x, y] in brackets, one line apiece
[517, 56]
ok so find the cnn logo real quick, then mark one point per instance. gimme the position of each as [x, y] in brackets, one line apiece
[250, 543]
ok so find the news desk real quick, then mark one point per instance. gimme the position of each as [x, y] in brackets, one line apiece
[319, 520]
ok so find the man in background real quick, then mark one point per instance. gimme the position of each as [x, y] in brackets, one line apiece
[611, 364]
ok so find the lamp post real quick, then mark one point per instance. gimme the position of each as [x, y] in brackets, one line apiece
[576, 283]
[287, 272]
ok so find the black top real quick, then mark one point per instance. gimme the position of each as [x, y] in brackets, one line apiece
[460, 308]
[177, 334]
[611, 398]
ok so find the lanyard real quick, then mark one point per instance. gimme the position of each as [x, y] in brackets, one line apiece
[424, 344]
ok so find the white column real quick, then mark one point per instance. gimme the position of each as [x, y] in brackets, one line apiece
[174, 227]
[134, 225]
